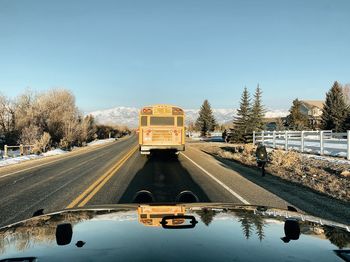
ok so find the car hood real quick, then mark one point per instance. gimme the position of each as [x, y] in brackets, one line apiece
[182, 232]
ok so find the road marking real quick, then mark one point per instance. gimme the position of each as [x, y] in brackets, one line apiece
[217, 180]
[84, 197]
[57, 160]
[52, 177]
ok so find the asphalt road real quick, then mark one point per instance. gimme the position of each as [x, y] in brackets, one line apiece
[114, 173]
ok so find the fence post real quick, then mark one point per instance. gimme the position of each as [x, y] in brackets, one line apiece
[321, 143]
[286, 140]
[253, 138]
[5, 151]
[262, 137]
[302, 142]
[21, 150]
[348, 145]
[274, 139]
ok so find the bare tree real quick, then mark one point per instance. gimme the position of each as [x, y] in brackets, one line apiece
[30, 135]
[42, 144]
[7, 120]
[26, 113]
[88, 129]
[48, 118]
[58, 115]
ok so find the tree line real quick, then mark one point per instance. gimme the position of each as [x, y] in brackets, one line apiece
[249, 117]
[251, 112]
[48, 119]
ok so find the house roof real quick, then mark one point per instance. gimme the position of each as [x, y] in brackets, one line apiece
[313, 103]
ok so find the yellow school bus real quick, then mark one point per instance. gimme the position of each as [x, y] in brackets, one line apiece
[152, 215]
[161, 127]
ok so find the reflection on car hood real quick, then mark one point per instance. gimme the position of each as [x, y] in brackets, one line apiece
[183, 232]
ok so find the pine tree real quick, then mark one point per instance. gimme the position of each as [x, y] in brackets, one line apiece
[258, 111]
[205, 121]
[259, 226]
[246, 223]
[206, 215]
[335, 110]
[242, 123]
[296, 120]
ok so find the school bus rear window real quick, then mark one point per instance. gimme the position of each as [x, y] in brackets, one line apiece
[180, 121]
[143, 120]
[162, 121]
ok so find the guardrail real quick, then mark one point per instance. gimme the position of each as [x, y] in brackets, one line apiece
[323, 142]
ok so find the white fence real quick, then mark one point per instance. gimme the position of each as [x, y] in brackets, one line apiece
[21, 150]
[322, 142]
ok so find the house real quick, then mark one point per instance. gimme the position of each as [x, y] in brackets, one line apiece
[313, 110]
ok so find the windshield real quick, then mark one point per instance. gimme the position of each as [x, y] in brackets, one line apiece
[165, 102]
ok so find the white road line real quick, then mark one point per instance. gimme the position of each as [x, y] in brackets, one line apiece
[57, 160]
[32, 167]
[218, 181]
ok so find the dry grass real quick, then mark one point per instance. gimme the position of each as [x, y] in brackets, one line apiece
[326, 177]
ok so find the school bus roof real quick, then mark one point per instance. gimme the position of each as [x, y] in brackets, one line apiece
[179, 109]
[161, 105]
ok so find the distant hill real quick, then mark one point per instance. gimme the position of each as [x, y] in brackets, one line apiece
[129, 115]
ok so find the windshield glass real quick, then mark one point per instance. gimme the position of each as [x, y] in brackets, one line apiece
[168, 102]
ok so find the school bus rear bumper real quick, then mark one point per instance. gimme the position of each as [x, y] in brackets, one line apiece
[148, 148]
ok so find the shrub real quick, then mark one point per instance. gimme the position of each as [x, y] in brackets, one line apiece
[30, 135]
[42, 145]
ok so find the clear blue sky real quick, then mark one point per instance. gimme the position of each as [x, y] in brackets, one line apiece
[131, 53]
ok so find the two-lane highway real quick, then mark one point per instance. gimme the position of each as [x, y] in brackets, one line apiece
[115, 173]
[53, 185]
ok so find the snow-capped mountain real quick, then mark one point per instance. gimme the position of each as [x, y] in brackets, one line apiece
[222, 115]
[129, 115]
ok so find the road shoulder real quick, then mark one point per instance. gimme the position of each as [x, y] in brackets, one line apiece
[257, 189]
[26, 165]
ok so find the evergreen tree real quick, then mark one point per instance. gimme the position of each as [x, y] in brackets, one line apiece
[246, 223]
[347, 121]
[205, 121]
[259, 226]
[242, 122]
[206, 215]
[258, 111]
[296, 120]
[335, 110]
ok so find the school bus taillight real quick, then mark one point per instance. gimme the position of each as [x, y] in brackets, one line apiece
[147, 111]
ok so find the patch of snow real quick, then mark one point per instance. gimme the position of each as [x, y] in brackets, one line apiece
[13, 153]
[101, 141]
[329, 159]
[332, 147]
[15, 160]
[54, 152]
[14, 157]
[117, 216]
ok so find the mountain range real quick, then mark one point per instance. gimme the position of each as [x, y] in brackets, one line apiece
[128, 116]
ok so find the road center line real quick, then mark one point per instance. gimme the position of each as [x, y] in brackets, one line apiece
[218, 181]
[83, 198]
